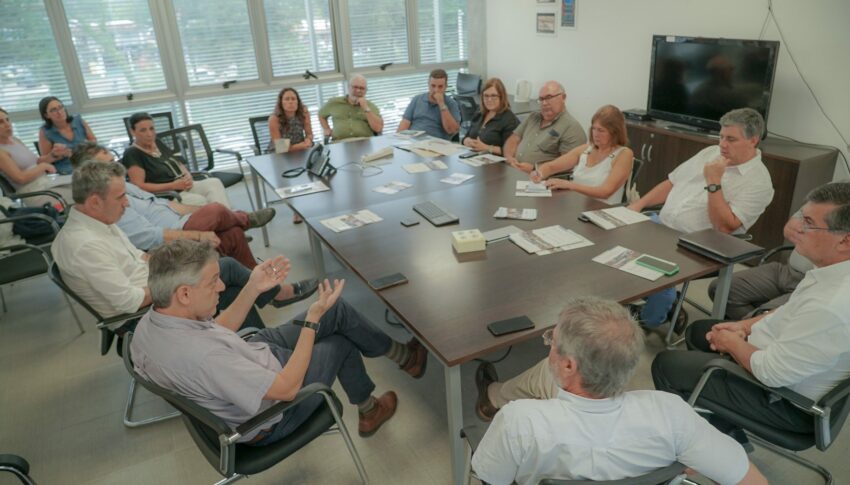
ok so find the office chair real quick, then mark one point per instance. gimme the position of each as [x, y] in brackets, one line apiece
[9, 191]
[828, 415]
[467, 84]
[261, 134]
[218, 442]
[107, 325]
[468, 110]
[18, 467]
[631, 185]
[162, 121]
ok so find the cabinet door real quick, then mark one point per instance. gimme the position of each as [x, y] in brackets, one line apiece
[653, 149]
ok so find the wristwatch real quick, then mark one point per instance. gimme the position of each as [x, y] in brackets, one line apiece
[444, 108]
[712, 188]
[304, 323]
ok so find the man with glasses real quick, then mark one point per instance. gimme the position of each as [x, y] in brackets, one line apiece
[433, 112]
[589, 428]
[803, 345]
[547, 134]
[353, 115]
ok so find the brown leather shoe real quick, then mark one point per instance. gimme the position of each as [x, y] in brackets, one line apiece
[380, 414]
[417, 361]
[484, 376]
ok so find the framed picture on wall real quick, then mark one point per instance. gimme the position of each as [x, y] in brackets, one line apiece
[546, 23]
[568, 13]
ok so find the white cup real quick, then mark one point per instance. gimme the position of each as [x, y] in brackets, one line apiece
[281, 145]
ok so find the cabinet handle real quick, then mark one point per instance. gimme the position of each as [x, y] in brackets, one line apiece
[649, 153]
[642, 149]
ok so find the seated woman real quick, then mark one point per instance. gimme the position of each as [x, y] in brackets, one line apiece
[290, 120]
[492, 126]
[62, 130]
[25, 170]
[154, 167]
[601, 167]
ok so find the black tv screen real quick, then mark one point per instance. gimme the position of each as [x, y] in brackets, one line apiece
[695, 81]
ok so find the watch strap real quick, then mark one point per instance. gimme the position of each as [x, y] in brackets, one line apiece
[711, 188]
[304, 323]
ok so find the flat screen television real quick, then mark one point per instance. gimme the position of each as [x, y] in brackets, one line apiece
[695, 80]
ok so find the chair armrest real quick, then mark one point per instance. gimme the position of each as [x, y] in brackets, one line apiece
[111, 321]
[280, 407]
[776, 250]
[169, 194]
[50, 220]
[36, 193]
[229, 152]
[199, 175]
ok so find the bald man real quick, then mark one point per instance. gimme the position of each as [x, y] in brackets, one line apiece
[353, 115]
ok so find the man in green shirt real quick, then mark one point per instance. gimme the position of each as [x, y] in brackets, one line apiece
[353, 115]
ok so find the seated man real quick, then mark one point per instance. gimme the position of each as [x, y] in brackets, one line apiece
[725, 187]
[149, 221]
[590, 428]
[768, 286]
[803, 345]
[180, 346]
[433, 112]
[100, 264]
[353, 115]
[545, 135]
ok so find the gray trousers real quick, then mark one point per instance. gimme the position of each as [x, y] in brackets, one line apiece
[763, 287]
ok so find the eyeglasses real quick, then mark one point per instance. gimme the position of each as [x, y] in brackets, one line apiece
[56, 109]
[808, 225]
[491, 96]
[543, 99]
[547, 337]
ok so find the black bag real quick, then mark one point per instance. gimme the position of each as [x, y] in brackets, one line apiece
[33, 227]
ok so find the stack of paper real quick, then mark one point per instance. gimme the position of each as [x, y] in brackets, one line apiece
[439, 146]
[375, 158]
[525, 188]
[511, 213]
[549, 240]
[409, 133]
[624, 260]
[614, 217]
[392, 187]
[456, 178]
[303, 189]
[483, 159]
[350, 221]
[422, 167]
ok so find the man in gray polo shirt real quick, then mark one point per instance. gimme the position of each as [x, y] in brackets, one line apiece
[179, 346]
[547, 134]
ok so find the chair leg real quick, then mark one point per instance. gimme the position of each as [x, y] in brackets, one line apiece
[23, 477]
[347, 438]
[3, 299]
[74, 312]
[226, 481]
[128, 411]
[668, 339]
[823, 472]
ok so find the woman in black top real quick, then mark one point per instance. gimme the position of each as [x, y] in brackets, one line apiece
[492, 126]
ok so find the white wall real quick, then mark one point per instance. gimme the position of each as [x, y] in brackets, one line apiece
[606, 58]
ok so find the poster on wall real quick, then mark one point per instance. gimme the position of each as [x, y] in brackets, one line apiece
[568, 13]
[546, 23]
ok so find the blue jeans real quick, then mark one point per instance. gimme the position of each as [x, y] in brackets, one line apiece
[344, 337]
[658, 305]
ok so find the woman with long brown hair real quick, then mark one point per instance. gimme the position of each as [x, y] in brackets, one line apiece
[290, 120]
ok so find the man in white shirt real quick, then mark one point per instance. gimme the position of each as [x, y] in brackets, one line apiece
[725, 187]
[592, 429]
[803, 345]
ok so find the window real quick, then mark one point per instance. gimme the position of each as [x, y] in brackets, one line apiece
[378, 32]
[116, 46]
[442, 31]
[300, 36]
[392, 95]
[216, 39]
[30, 67]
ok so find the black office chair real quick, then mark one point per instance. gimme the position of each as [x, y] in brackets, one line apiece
[162, 121]
[9, 191]
[828, 415]
[631, 185]
[107, 326]
[261, 134]
[219, 443]
[468, 110]
[18, 467]
[467, 84]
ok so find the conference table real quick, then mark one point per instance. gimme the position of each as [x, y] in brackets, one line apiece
[450, 298]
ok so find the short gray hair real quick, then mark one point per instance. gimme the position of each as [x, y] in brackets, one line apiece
[750, 121]
[94, 178]
[357, 76]
[836, 193]
[605, 342]
[174, 264]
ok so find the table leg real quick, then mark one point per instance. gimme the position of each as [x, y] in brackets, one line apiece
[721, 293]
[454, 406]
[318, 255]
[260, 204]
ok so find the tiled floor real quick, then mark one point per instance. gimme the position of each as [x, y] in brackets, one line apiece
[61, 402]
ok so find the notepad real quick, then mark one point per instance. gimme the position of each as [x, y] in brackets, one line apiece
[351, 221]
[614, 217]
[512, 213]
[624, 260]
[525, 188]
[392, 187]
[548, 240]
[302, 189]
[422, 167]
[456, 178]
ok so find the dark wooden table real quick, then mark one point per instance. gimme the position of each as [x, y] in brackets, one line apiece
[451, 297]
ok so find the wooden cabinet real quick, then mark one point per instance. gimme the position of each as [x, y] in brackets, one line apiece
[794, 168]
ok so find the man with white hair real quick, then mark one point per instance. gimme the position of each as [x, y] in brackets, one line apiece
[353, 115]
[547, 134]
[591, 429]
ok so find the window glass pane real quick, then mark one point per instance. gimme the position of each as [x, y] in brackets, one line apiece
[26, 131]
[29, 61]
[216, 39]
[116, 46]
[300, 36]
[392, 95]
[378, 32]
[442, 31]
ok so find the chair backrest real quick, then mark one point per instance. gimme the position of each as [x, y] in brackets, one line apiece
[260, 131]
[37, 147]
[6, 186]
[662, 475]
[190, 142]
[468, 84]
[838, 402]
[637, 164]
[468, 107]
[163, 121]
[56, 277]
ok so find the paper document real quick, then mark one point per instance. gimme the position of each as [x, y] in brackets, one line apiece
[624, 260]
[525, 188]
[456, 178]
[350, 221]
[392, 187]
[549, 240]
[421, 167]
[511, 213]
[500, 234]
[614, 217]
[483, 159]
[378, 157]
[55, 179]
[406, 134]
[437, 145]
[302, 189]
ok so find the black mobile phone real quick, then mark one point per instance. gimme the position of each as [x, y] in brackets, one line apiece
[387, 281]
[510, 325]
[469, 154]
[409, 221]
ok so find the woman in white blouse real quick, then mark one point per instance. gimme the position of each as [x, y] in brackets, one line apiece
[601, 167]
